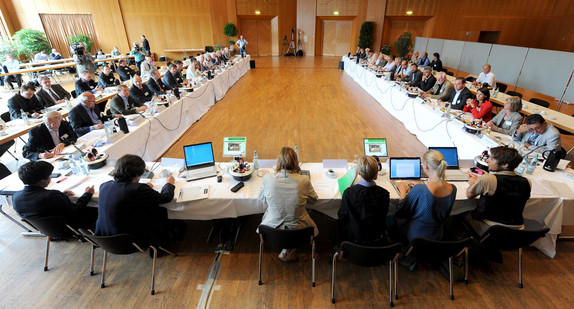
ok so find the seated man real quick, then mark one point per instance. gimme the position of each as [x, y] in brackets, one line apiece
[12, 65]
[87, 84]
[41, 57]
[55, 55]
[49, 139]
[51, 94]
[403, 70]
[179, 74]
[170, 77]
[34, 201]
[124, 71]
[538, 135]
[140, 91]
[416, 57]
[424, 61]
[391, 65]
[415, 77]
[428, 80]
[107, 78]
[458, 97]
[156, 85]
[503, 193]
[440, 88]
[26, 101]
[146, 67]
[124, 104]
[486, 77]
[86, 116]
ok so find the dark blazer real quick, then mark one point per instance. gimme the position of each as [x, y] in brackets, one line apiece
[107, 81]
[40, 140]
[81, 121]
[427, 84]
[82, 86]
[153, 85]
[171, 80]
[414, 78]
[145, 45]
[141, 96]
[133, 208]
[45, 98]
[437, 65]
[117, 105]
[37, 202]
[460, 101]
[18, 102]
[125, 73]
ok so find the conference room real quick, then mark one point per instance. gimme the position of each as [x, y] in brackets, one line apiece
[267, 99]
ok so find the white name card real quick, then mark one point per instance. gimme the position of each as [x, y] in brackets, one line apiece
[337, 163]
[116, 137]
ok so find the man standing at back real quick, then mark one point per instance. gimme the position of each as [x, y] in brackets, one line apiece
[242, 44]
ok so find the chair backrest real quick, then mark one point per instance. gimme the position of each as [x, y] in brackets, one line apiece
[449, 73]
[116, 244]
[511, 239]
[209, 49]
[284, 238]
[470, 79]
[540, 102]
[74, 95]
[369, 256]
[436, 249]
[53, 226]
[4, 171]
[501, 87]
[514, 93]
[5, 116]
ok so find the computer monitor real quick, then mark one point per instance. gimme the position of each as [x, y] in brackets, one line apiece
[375, 147]
[405, 168]
[198, 155]
[234, 146]
[450, 155]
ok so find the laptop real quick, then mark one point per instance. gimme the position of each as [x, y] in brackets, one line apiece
[453, 172]
[199, 161]
[404, 170]
[375, 147]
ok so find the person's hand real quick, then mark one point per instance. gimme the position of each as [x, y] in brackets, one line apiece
[142, 109]
[470, 102]
[170, 179]
[475, 83]
[117, 115]
[527, 144]
[149, 184]
[58, 149]
[60, 101]
[489, 124]
[403, 189]
[522, 129]
[46, 155]
[35, 115]
[69, 193]
[472, 177]
[90, 190]
[99, 89]
[98, 126]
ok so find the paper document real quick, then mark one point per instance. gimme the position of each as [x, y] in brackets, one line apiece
[69, 182]
[193, 193]
[346, 181]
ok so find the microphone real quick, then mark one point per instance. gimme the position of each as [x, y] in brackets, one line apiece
[64, 138]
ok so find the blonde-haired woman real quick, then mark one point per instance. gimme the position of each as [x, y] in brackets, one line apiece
[364, 207]
[422, 209]
[286, 193]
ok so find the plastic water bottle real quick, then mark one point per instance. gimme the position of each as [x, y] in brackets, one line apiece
[255, 160]
[522, 167]
[447, 111]
[74, 164]
[25, 117]
[68, 104]
[532, 165]
[108, 128]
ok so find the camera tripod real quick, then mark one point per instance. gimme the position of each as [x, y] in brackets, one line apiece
[291, 46]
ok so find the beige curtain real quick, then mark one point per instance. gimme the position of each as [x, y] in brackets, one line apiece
[59, 26]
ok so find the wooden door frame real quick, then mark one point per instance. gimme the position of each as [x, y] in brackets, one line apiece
[240, 18]
[319, 30]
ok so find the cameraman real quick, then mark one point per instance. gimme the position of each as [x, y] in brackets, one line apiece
[139, 55]
[83, 58]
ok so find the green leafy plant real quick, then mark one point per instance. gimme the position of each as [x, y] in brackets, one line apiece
[217, 47]
[81, 38]
[31, 41]
[404, 43]
[366, 34]
[230, 30]
[386, 49]
[8, 47]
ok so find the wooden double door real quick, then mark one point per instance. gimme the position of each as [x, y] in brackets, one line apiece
[257, 33]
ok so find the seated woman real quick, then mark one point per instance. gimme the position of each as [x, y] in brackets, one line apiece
[436, 63]
[480, 108]
[286, 193]
[364, 208]
[34, 201]
[422, 210]
[509, 119]
[128, 206]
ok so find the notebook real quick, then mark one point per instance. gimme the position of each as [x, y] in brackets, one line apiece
[199, 161]
[404, 170]
[453, 172]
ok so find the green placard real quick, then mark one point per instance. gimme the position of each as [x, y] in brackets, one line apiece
[347, 180]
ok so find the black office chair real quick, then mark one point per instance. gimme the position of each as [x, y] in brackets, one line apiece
[209, 49]
[52, 227]
[501, 87]
[540, 102]
[449, 73]
[470, 79]
[120, 244]
[423, 248]
[505, 238]
[368, 257]
[514, 93]
[286, 239]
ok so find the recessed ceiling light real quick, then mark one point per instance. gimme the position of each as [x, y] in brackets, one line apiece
[336, 13]
[409, 12]
[257, 12]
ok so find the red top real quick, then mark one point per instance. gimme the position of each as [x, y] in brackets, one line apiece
[484, 111]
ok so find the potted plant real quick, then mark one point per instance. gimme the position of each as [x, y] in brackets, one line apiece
[31, 42]
[230, 30]
[366, 34]
[404, 43]
[81, 38]
[386, 49]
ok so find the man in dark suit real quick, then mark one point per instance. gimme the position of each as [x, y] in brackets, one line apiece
[50, 138]
[124, 104]
[34, 201]
[458, 96]
[156, 85]
[415, 76]
[86, 84]
[107, 78]
[170, 77]
[86, 116]
[24, 100]
[124, 71]
[140, 91]
[428, 80]
[50, 94]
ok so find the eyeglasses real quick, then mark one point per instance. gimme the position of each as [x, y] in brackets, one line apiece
[536, 129]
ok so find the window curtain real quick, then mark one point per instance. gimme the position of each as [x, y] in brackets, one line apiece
[59, 26]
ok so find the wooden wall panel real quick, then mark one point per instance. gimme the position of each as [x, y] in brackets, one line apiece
[329, 37]
[345, 7]
[248, 7]
[287, 14]
[422, 8]
[219, 17]
[376, 13]
[264, 37]
[249, 31]
[343, 41]
[306, 19]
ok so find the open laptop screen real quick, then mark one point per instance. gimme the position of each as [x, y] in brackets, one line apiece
[198, 155]
[450, 155]
[375, 147]
[405, 168]
[234, 146]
